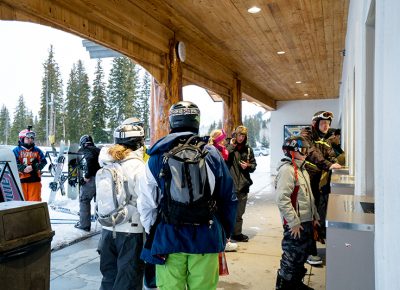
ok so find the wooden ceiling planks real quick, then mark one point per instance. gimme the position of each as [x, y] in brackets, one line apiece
[223, 40]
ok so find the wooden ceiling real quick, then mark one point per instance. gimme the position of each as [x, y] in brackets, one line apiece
[223, 40]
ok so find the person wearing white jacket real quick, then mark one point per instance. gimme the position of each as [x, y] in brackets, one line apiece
[120, 247]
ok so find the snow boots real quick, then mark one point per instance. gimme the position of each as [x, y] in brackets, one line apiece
[282, 284]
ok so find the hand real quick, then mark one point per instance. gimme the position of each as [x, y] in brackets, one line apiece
[316, 223]
[244, 164]
[295, 231]
[335, 166]
[86, 179]
[28, 169]
[233, 142]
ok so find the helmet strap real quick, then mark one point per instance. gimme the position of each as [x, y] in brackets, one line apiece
[294, 166]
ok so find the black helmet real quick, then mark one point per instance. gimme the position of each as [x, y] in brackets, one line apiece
[86, 140]
[130, 134]
[184, 116]
[295, 144]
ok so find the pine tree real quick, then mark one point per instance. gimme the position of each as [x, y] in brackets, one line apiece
[29, 119]
[20, 119]
[253, 124]
[98, 107]
[77, 111]
[213, 126]
[5, 124]
[122, 91]
[72, 106]
[51, 100]
[219, 126]
[143, 103]
[85, 119]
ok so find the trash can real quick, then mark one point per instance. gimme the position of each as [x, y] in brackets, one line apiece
[25, 245]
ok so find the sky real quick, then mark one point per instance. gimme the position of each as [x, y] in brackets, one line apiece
[25, 47]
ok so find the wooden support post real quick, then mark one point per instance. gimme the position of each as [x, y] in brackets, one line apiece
[165, 94]
[233, 108]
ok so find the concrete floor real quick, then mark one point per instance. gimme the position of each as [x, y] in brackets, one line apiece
[253, 266]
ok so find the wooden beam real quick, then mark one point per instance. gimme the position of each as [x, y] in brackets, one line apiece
[165, 94]
[191, 77]
[257, 94]
[233, 108]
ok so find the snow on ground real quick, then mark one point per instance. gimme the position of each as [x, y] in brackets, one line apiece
[63, 223]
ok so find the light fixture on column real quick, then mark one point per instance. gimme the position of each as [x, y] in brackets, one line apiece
[181, 51]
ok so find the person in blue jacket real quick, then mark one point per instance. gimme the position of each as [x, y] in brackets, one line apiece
[186, 254]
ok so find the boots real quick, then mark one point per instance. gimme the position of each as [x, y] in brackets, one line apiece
[301, 286]
[282, 284]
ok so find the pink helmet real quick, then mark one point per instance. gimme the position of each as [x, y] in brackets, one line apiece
[26, 133]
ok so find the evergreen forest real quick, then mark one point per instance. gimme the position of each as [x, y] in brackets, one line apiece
[95, 108]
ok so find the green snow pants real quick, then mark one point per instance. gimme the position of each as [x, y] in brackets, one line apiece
[194, 271]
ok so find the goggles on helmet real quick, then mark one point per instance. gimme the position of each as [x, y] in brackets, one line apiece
[324, 116]
[30, 134]
[128, 131]
[302, 150]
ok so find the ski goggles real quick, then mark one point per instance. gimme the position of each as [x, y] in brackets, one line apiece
[31, 135]
[324, 116]
[302, 150]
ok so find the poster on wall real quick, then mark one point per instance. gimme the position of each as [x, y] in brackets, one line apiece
[289, 130]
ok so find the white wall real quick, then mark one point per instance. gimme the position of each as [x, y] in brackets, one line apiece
[295, 113]
[371, 81]
[387, 138]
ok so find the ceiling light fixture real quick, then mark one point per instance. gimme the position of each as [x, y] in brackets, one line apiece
[281, 52]
[254, 9]
[298, 82]
[306, 95]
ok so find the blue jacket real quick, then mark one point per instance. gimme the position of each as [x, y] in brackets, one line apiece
[187, 238]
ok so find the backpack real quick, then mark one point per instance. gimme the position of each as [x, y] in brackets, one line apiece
[187, 197]
[112, 196]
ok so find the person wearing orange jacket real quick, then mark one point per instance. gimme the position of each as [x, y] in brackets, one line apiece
[30, 161]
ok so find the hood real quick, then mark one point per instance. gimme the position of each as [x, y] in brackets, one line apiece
[164, 143]
[287, 160]
[105, 158]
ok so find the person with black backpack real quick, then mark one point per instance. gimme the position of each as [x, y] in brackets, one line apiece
[116, 209]
[88, 187]
[187, 205]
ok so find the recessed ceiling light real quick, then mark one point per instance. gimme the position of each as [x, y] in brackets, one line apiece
[281, 52]
[254, 9]
[298, 82]
[306, 95]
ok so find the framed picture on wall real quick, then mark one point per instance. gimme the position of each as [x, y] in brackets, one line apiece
[289, 130]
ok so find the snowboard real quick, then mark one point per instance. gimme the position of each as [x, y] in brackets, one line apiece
[57, 170]
[69, 211]
[75, 172]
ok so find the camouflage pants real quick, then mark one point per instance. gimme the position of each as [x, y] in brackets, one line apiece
[295, 252]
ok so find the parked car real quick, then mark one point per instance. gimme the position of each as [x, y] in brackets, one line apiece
[261, 151]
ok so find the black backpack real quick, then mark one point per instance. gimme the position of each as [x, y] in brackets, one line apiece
[187, 197]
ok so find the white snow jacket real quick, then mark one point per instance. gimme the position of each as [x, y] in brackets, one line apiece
[132, 166]
[305, 209]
